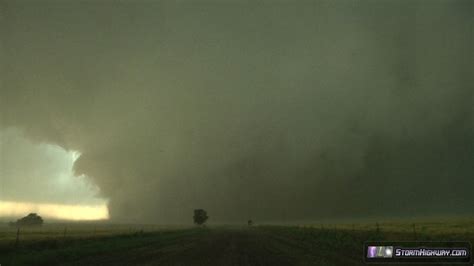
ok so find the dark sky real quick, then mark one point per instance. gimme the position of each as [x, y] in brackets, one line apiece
[270, 110]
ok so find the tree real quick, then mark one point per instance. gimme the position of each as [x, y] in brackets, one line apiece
[200, 216]
[29, 220]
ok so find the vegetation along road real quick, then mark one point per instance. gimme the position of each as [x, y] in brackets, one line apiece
[258, 245]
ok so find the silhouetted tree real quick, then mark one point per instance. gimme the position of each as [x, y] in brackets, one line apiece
[200, 216]
[29, 220]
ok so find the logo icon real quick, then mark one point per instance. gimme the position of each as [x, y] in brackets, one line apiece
[379, 251]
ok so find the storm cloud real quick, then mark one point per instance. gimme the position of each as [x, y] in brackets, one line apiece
[269, 110]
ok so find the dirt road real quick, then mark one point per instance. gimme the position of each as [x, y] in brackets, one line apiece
[223, 247]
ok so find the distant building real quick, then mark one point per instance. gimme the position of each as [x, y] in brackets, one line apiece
[29, 220]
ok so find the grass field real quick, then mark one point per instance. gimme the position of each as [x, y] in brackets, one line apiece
[317, 244]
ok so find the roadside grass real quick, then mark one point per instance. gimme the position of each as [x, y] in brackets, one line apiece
[52, 251]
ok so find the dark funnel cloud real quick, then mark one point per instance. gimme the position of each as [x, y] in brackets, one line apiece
[269, 110]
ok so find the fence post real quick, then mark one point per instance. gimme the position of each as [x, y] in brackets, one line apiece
[17, 240]
[414, 231]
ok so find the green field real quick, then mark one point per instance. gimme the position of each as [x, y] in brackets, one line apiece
[315, 244]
